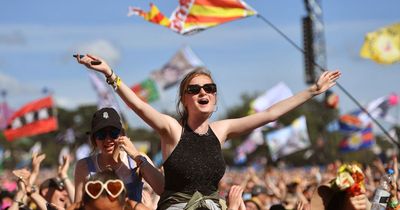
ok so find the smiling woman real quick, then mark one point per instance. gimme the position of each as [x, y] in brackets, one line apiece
[191, 146]
[107, 138]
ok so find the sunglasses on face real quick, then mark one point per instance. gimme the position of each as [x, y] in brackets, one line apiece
[195, 89]
[113, 187]
[103, 133]
[58, 185]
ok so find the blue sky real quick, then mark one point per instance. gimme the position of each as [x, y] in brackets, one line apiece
[38, 38]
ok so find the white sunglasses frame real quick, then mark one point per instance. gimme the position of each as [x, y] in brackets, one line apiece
[104, 187]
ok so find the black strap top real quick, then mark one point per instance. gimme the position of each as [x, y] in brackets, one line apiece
[196, 164]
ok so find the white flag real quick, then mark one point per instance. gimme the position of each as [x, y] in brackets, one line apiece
[105, 96]
[288, 140]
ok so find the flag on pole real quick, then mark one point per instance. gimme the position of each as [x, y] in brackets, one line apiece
[36, 117]
[5, 113]
[177, 67]
[192, 16]
[383, 45]
[358, 140]
[146, 90]
[105, 97]
[288, 140]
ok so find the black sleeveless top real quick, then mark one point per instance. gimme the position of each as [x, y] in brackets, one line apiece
[196, 164]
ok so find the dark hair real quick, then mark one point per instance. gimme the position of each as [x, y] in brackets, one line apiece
[104, 176]
[180, 108]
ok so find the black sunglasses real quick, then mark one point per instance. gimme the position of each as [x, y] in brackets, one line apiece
[103, 133]
[195, 89]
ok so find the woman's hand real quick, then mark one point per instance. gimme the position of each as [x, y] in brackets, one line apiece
[103, 67]
[325, 81]
[63, 168]
[126, 144]
[235, 197]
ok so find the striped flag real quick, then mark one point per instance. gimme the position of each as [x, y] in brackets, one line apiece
[383, 45]
[192, 16]
[358, 140]
[34, 118]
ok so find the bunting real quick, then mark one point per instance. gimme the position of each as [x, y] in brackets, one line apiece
[192, 16]
[34, 118]
[383, 45]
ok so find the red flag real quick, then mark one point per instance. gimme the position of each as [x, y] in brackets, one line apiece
[34, 118]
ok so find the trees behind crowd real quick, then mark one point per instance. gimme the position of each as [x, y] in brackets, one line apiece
[324, 144]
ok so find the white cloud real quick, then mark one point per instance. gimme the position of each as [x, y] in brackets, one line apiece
[14, 87]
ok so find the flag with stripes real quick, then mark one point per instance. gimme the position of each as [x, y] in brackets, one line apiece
[36, 117]
[192, 16]
[357, 140]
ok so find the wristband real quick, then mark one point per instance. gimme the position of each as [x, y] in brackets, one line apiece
[140, 161]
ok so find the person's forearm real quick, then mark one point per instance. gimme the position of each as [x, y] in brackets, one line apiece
[152, 176]
[18, 200]
[69, 186]
[39, 200]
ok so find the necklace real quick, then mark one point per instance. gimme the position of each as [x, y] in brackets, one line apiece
[107, 166]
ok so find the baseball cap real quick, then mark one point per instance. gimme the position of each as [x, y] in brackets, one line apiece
[105, 117]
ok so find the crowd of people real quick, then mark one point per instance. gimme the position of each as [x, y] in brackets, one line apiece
[193, 174]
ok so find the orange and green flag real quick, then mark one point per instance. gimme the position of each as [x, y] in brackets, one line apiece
[192, 16]
[146, 90]
[383, 45]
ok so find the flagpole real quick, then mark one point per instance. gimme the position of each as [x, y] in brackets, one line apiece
[337, 83]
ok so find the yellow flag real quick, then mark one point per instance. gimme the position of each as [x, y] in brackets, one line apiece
[383, 45]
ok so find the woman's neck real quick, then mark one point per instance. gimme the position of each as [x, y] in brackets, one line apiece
[198, 125]
[106, 161]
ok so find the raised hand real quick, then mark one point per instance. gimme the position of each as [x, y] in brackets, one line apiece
[325, 81]
[88, 59]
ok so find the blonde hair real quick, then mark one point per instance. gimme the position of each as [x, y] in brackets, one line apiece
[180, 107]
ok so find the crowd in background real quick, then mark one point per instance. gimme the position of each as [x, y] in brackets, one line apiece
[269, 187]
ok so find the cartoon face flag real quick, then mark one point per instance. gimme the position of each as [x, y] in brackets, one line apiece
[383, 45]
[192, 16]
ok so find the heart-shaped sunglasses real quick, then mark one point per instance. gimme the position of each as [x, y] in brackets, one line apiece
[113, 187]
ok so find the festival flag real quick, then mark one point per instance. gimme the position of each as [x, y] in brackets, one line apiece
[358, 140]
[379, 109]
[192, 16]
[5, 113]
[105, 97]
[177, 67]
[289, 139]
[146, 90]
[34, 118]
[383, 45]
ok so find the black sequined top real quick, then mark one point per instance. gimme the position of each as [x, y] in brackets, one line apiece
[196, 164]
